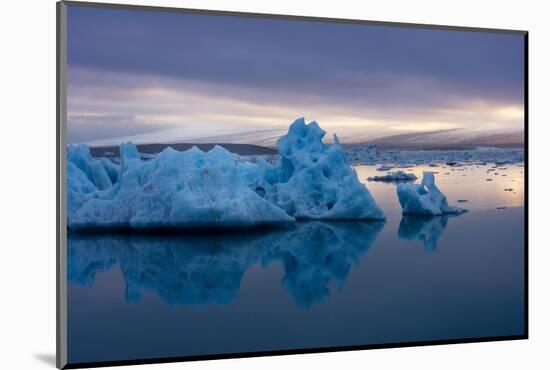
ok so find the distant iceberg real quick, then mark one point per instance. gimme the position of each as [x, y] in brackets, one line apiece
[188, 189]
[397, 176]
[389, 158]
[425, 198]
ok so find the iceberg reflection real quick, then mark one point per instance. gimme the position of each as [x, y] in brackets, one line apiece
[316, 253]
[201, 269]
[424, 228]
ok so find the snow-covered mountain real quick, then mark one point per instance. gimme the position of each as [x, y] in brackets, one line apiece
[451, 138]
[265, 137]
[455, 138]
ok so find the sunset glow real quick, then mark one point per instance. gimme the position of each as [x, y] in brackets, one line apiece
[239, 74]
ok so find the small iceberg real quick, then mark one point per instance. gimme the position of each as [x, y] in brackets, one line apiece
[425, 198]
[384, 168]
[397, 176]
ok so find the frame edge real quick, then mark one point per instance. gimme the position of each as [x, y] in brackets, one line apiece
[61, 237]
[294, 17]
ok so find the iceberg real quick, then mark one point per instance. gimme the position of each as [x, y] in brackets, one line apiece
[100, 173]
[311, 180]
[397, 176]
[173, 190]
[363, 153]
[384, 168]
[86, 175]
[388, 158]
[192, 188]
[425, 198]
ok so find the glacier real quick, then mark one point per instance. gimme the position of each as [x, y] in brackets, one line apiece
[192, 188]
[425, 198]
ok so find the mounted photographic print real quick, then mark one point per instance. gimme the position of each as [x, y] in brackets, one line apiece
[235, 184]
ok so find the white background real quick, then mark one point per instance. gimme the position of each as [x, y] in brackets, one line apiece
[27, 183]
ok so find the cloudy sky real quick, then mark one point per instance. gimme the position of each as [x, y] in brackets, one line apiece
[185, 76]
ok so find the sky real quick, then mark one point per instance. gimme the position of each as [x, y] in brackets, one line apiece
[166, 76]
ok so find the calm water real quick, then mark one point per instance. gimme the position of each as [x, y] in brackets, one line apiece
[315, 285]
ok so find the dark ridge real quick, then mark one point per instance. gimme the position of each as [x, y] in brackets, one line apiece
[212, 230]
[184, 230]
[241, 149]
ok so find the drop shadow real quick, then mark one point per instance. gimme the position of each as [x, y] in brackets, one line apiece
[46, 358]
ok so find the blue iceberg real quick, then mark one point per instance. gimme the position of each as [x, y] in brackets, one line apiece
[175, 189]
[189, 189]
[311, 180]
[425, 198]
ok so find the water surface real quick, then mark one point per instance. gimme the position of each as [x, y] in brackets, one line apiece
[315, 285]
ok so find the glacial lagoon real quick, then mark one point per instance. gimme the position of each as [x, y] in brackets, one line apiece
[313, 285]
